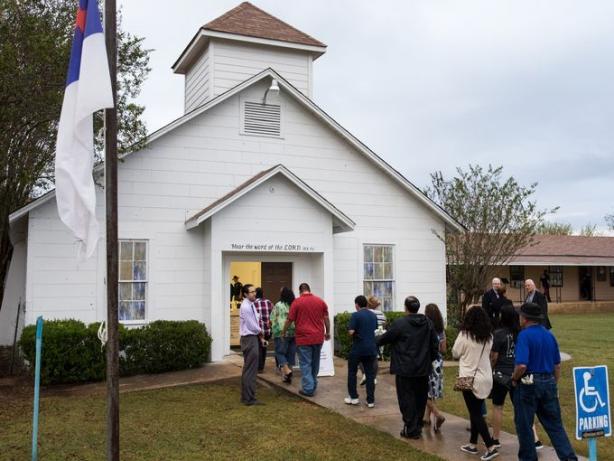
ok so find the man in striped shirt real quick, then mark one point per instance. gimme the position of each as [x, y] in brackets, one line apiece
[263, 307]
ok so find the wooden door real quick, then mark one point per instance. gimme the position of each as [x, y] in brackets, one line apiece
[586, 282]
[275, 276]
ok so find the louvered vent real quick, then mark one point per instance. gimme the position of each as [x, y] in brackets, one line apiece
[262, 119]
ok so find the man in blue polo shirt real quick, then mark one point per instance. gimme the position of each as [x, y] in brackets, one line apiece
[363, 324]
[537, 371]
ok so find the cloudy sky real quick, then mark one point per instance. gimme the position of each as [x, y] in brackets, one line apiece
[432, 85]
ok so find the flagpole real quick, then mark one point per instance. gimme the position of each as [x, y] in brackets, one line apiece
[110, 123]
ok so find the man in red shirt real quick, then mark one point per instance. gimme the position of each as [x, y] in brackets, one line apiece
[310, 316]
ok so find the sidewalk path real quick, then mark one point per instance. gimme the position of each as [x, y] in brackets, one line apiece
[209, 373]
[386, 416]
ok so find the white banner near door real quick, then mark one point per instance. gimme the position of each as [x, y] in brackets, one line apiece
[327, 367]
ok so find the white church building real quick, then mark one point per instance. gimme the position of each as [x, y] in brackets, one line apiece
[254, 180]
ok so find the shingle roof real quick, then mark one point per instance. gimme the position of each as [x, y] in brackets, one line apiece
[230, 194]
[247, 19]
[341, 222]
[567, 249]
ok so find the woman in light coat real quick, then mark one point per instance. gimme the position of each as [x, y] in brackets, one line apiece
[472, 349]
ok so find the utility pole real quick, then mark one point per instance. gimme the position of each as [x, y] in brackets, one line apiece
[110, 125]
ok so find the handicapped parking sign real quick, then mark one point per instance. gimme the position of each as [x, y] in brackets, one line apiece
[592, 402]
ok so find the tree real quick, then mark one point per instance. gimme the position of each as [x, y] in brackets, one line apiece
[500, 218]
[554, 228]
[609, 220]
[34, 50]
[590, 230]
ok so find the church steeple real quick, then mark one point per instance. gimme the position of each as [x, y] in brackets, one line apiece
[241, 43]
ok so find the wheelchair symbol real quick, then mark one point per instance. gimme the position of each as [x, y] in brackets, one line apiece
[588, 404]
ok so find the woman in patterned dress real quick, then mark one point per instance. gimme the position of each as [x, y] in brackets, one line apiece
[436, 376]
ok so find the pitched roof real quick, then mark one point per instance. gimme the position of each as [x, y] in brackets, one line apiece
[247, 19]
[567, 250]
[341, 222]
[313, 108]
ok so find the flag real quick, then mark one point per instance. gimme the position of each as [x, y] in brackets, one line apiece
[88, 89]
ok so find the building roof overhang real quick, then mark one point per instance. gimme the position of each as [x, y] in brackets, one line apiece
[201, 40]
[341, 222]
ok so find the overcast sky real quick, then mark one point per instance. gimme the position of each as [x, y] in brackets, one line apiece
[432, 85]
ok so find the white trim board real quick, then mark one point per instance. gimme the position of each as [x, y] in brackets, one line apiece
[202, 37]
[344, 223]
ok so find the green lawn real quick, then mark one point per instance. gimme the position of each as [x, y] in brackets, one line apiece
[194, 422]
[589, 338]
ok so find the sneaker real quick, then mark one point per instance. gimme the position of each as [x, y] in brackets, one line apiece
[469, 449]
[363, 381]
[539, 445]
[351, 401]
[370, 405]
[492, 454]
[496, 443]
[305, 394]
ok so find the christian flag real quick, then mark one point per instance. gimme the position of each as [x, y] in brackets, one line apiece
[88, 89]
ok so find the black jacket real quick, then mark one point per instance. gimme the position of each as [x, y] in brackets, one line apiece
[492, 305]
[414, 345]
[540, 299]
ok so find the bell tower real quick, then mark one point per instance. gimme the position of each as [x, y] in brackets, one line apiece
[239, 44]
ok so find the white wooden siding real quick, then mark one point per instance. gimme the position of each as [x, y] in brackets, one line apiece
[198, 82]
[235, 62]
[197, 163]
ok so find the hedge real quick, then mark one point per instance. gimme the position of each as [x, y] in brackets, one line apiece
[343, 341]
[72, 353]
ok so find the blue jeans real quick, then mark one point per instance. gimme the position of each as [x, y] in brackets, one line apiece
[285, 351]
[540, 399]
[368, 364]
[309, 361]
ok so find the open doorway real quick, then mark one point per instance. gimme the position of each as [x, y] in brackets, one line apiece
[586, 283]
[270, 276]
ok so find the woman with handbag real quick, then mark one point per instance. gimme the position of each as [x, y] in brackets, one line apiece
[472, 349]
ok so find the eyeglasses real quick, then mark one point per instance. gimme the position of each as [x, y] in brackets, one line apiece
[251, 292]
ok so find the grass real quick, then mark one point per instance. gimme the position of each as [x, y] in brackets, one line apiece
[194, 422]
[589, 340]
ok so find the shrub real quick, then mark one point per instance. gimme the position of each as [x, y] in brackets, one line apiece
[72, 352]
[451, 334]
[166, 345]
[343, 341]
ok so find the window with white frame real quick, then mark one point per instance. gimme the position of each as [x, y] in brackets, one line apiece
[378, 274]
[132, 280]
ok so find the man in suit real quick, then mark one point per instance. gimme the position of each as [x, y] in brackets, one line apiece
[537, 297]
[492, 301]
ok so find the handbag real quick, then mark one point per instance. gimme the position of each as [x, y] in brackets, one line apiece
[465, 383]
